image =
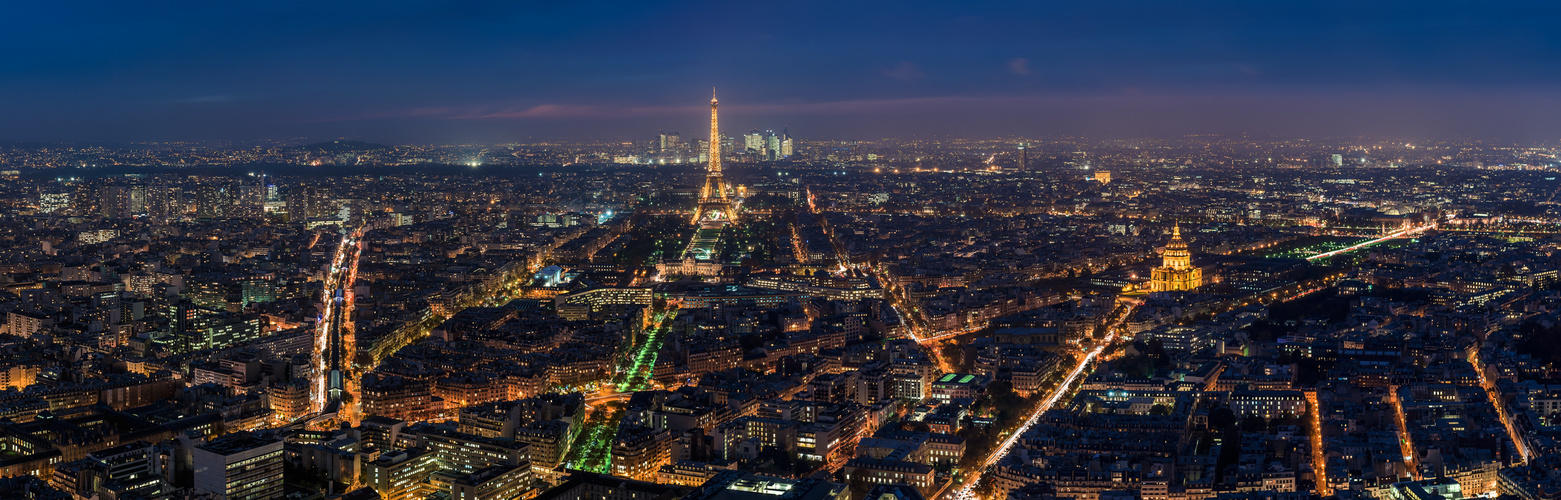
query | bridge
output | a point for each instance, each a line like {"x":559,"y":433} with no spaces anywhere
{"x":1391,"y":236}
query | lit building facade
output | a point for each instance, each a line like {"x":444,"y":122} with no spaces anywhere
{"x":239,"y":466}
{"x":1176,"y":272}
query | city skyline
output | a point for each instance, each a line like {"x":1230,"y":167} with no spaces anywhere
{"x":915,"y":251}
{"x":930,"y":322}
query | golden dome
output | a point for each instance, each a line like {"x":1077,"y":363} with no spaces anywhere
{"x":1177,"y":255}
{"x":1177,"y":244}
{"x":1177,"y":273}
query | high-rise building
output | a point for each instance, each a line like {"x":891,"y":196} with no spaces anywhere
{"x":1176,"y":272}
{"x":309,"y":202}
{"x":137,"y":199}
{"x":114,"y":202}
{"x":239,"y":466}
{"x":300,"y":203}
{"x":703,"y":148}
{"x":54,"y":203}
{"x":669,"y":142}
{"x":1024,"y":157}
{"x":212,"y":201}
{"x":753,"y":143}
{"x":85,"y":199}
{"x":248,"y":202}
{"x":772,"y":146}
{"x":162,"y":203}
{"x":1338,"y":160}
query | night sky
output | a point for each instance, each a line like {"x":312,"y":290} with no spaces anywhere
{"x":487,"y":72}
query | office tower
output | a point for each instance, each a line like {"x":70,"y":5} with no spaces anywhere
{"x":669,"y":141}
{"x":239,"y":466}
{"x":1338,"y":160}
{"x":1024,"y":157}
{"x":753,"y":143}
{"x":785,"y":144}
{"x":54,"y":202}
{"x":771,"y":145}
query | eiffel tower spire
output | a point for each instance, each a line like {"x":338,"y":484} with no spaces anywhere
{"x":714,"y":206}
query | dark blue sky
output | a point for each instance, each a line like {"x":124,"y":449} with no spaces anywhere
{"x":425,"y":72}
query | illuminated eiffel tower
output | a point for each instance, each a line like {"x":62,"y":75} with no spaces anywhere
{"x":715,"y":207}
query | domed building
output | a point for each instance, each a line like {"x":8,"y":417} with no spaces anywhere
{"x":1176,"y":272}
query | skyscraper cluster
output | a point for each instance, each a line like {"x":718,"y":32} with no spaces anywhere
{"x":668,"y":141}
{"x":768,"y":145}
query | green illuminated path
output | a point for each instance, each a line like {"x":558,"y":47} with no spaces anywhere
{"x":635,"y":368}
{"x":592,"y":449}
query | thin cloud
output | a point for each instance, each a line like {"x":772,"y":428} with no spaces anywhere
{"x":1019,"y":66}
{"x":905,"y":71}
{"x":1126,"y":96}
{"x":420,"y":112}
{"x":538,"y":111}
{"x":556,"y":111}
{"x":572,"y":111}
{"x":576,"y":111}
{"x":205,"y":99}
